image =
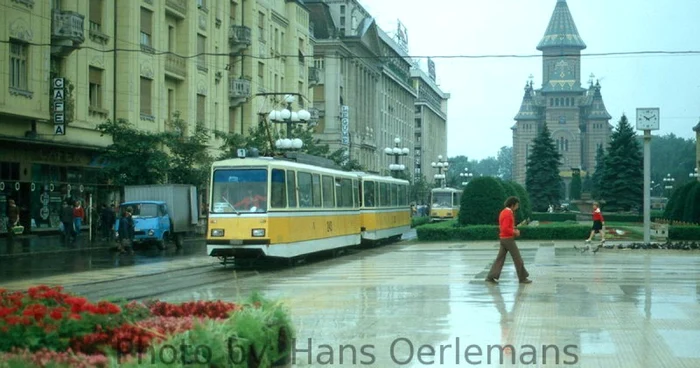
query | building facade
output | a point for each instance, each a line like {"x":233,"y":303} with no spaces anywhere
{"x":143,"y":61}
{"x":430,"y":123}
{"x":575,"y":116}
{"x":365,"y":97}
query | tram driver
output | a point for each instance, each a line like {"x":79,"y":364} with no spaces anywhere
{"x":250,"y":201}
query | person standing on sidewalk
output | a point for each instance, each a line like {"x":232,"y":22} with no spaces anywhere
{"x":125,"y":231}
{"x":67,"y":221}
{"x":507,"y":235}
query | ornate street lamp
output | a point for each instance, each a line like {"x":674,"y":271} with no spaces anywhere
{"x":397,"y":152}
{"x":694,"y":174}
{"x":466,"y":175}
{"x":441,"y":166}
{"x":290,"y":118}
{"x":669,"y":183}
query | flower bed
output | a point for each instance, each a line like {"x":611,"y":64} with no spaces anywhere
{"x":47,"y":327}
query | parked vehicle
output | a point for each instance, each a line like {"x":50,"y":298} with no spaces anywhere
{"x":162,"y":213}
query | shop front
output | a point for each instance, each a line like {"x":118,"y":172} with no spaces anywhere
{"x":40,"y":178}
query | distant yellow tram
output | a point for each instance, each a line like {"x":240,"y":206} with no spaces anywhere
{"x":444,"y":203}
{"x":271,"y":207}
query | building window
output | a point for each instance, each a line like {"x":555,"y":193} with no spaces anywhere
{"x":201,"y":109}
{"x":146,"y":91}
{"x":201,"y":50}
{"x":19,"y":53}
{"x":96,"y":15}
{"x":171,"y":38}
{"x":146,"y":29}
{"x":95,"y":88}
{"x":261,"y":26}
{"x":261,"y":74}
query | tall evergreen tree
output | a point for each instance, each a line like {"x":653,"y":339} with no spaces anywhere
{"x":598,"y":173}
{"x":542,"y":178}
{"x":575,"y":188}
{"x":622,"y":185}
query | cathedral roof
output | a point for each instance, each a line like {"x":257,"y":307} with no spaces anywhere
{"x":528,"y":108}
{"x":597,"y":108}
{"x":561,"y":31}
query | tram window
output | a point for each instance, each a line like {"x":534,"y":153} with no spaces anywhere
{"x":317,"y":190}
{"x":384,"y":194}
{"x":356,"y":191}
{"x":394,"y":195}
{"x":347,"y":191}
{"x":291,"y":189}
{"x":338,"y":192}
{"x":369,"y":193}
{"x":305,"y":190}
{"x":278,"y":189}
{"x":328,"y":192}
{"x":239,"y":190}
{"x":402,"y":195}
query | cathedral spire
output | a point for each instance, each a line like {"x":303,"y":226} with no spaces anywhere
{"x":561,"y":31}
{"x":528,"y":110}
{"x":597,"y":109}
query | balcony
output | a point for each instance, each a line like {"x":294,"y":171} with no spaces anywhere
{"x":67,"y":32}
{"x":314,"y":76}
{"x":238,"y":91}
{"x":175,"y":66}
{"x":239,"y":38}
{"x":177,"y":8}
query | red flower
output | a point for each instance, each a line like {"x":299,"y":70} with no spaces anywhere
{"x":57,"y":313}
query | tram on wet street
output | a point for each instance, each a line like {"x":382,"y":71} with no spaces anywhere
{"x":264,"y":207}
{"x":444,"y":203}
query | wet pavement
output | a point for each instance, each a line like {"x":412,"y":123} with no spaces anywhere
{"x":418,"y":304}
{"x":52,"y":258}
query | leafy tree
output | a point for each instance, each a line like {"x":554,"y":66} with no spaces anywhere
{"x":341,"y":160}
{"x":575,"y":188}
{"x":134,"y":157}
{"x":622,"y":181}
{"x":597,"y":177}
{"x":419,"y":190}
{"x":505,"y":163}
{"x":190,"y":158}
{"x":510,"y":190}
{"x":671,"y":155}
{"x":525,"y":211}
{"x":482,"y":201}
{"x":680,"y":200}
{"x":691,"y":212}
{"x":542,"y":178}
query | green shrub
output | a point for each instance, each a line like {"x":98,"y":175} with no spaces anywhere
{"x":525,"y":205}
{"x":418,"y":221}
{"x":450,"y":230}
{"x":691,"y":212}
{"x":683,"y":233}
{"x":675,"y":209}
{"x":482,"y":201}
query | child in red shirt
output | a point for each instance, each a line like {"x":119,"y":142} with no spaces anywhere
{"x":598,"y":224}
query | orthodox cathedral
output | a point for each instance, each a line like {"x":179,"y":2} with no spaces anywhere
{"x":575,"y":116}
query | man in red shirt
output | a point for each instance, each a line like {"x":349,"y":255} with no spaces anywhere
{"x":507,"y":235}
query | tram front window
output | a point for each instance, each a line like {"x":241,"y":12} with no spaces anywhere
{"x":239,"y":190}
{"x":442,"y":200}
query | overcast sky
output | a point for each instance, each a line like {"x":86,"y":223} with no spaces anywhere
{"x":486,"y":93}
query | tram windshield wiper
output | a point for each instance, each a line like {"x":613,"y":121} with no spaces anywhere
{"x":229,"y":203}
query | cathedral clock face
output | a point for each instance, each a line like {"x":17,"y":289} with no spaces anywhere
{"x":563,"y":70}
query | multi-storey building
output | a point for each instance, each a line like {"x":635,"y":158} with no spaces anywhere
{"x":575,"y":116}
{"x":365,"y":97}
{"x":430,"y":123}
{"x":142,"y":61}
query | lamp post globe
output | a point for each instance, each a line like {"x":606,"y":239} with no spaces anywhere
{"x":396,"y":152}
{"x":289,"y":118}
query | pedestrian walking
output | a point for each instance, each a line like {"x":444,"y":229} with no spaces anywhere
{"x":78,"y":218}
{"x":598,"y":225}
{"x":67,"y":222}
{"x":125,"y":232}
{"x":507,"y":235}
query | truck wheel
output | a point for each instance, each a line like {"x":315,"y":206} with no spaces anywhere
{"x":179,"y":241}
{"x":161,"y":244}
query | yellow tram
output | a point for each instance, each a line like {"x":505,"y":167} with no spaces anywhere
{"x":444,"y":203}
{"x":270,"y":207}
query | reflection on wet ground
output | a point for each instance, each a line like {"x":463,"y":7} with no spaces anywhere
{"x":420,"y":305}
{"x":32,"y":266}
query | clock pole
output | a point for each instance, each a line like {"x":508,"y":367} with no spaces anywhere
{"x":647,"y":186}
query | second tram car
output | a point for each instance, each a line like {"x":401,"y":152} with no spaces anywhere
{"x":268,"y":207}
{"x":444,"y":203}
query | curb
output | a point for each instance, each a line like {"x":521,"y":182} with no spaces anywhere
{"x":138,"y":276}
{"x":24,"y":254}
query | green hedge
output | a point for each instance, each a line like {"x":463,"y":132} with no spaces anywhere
{"x":570,"y":216}
{"x":418,"y":221}
{"x":553,"y":217}
{"x":449,"y":230}
{"x":684,"y":233}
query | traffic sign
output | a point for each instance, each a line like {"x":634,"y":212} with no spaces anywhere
{"x":59,"y":129}
{"x":58,"y":94}
{"x":58,"y":83}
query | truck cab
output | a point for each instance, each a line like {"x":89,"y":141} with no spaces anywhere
{"x":152,"y":222}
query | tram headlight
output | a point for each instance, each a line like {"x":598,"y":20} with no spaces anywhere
{"x":258,"y":233}
{"x":217,"y":232}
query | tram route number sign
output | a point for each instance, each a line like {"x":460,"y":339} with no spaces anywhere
{"x":329,"y":226}
{"x":58,"y":93}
